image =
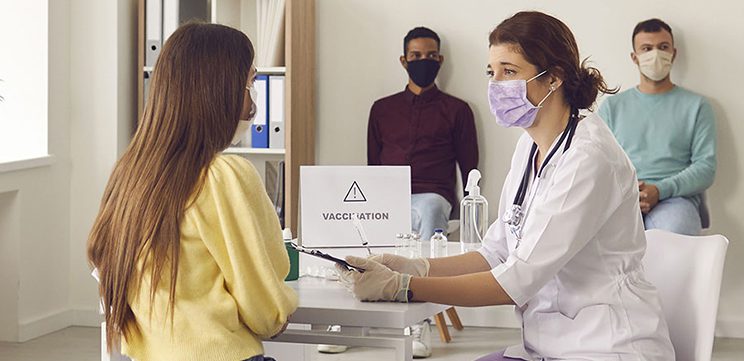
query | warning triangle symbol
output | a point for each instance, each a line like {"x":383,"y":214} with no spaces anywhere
{"x":355,"y":194}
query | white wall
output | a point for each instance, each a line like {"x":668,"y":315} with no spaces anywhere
{"x":24,"y":80}
{"x":36,"y":216}
{"x":249,"y":21}
{"x":46,"y":212}
{"x":9,"y":257}
{"x":359,"y":43}
{"x":102,"y":111}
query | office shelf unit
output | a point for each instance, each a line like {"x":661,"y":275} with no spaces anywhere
{"x":299,"y":71}
{"x":277,"y":70}
{"x":248,"y":150}
{"x":273,"y":70}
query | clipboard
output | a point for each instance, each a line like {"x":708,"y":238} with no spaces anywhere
{"x":319,"y":254}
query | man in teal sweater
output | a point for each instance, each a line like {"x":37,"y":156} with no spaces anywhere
{"x":669,"y":134}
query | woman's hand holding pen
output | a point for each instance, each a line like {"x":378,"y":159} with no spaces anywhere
{"x":377,"y":283}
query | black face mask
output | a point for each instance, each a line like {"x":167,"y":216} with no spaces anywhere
{"x":423,"y":72}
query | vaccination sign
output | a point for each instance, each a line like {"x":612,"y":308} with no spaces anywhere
{"x":331,"y":196}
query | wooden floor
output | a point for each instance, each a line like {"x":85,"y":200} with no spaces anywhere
{"x":83,"y":344}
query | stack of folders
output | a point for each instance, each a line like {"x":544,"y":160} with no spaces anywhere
{"x":275,"y":187}
{"x":267,"y":130}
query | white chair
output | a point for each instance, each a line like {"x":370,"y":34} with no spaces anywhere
{"x":115,"y":354}
{"x":687,"y":271}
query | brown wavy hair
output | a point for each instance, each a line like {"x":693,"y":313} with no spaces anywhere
{"x":192,"y":111}
{"x":548,"y":43}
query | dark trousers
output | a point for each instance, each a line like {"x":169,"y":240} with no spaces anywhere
{"x":260,"y":358}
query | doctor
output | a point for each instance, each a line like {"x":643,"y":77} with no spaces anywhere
{"x":567,"y":247}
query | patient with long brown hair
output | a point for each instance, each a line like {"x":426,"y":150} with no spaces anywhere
{"x":186,"y":242}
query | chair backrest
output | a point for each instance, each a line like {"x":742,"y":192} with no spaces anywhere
{"x":687,"y":271}
{"x":115,"y":354}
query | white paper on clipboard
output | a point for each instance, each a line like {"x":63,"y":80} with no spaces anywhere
{"x":380,"y":196}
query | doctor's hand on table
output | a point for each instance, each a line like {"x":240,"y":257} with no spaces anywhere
{"x":377,"y":283}
{"x":417,"y":267}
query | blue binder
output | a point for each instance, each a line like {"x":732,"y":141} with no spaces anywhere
{"x":260,"y":128}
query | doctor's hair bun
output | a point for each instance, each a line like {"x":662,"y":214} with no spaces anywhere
{"x":548,"y":44}
{"x":581,"y":91}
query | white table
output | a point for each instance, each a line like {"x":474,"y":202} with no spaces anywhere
{"x":324,"y":302}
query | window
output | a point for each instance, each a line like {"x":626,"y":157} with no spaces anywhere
{"x":24,"y":70}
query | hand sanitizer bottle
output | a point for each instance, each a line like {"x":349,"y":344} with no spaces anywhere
{"x":473,"y":215}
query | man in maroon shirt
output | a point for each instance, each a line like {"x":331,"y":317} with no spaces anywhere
{"x":427,"y":129}
{"x":431,"y":131}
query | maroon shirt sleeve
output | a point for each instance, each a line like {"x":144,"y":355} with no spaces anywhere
{"x":374,"y":145}
{"x":466,"y":143}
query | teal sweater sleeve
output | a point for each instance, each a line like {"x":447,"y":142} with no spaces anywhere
{"x":699,"y":175}
{"x":605,"y":112}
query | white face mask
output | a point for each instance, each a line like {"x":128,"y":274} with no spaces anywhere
{"x":655,"y":64}
{"x":245,"y":125}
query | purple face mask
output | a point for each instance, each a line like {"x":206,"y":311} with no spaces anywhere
{"x":509,"y":103}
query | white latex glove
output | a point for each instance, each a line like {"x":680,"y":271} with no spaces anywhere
{"x":418,"y":267}
{"x":376,"y":283}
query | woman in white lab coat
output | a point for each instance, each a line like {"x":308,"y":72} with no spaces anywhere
{"x":568,"y":245}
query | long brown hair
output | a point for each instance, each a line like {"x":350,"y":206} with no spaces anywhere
{"x":195,"y":101}
{"x":549,"y":44}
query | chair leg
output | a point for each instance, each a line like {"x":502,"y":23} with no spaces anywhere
{"x":452,"y":314}
{"x":442,"y":326}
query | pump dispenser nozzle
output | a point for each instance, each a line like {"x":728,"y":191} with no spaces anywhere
{"x":472,"y":186}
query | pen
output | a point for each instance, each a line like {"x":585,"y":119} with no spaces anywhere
{"x":360,"y":231}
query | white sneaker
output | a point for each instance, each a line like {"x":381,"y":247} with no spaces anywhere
{"x":333,"y":348}
{"x":421,"y":339}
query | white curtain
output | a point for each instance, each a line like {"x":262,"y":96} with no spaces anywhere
{"x":270,"y":19}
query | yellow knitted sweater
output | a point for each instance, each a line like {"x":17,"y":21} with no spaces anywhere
{"x":230,"y":291}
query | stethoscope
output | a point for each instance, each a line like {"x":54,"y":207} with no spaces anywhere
{"x":515,"y":216}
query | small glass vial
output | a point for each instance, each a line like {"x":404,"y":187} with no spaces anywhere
{"x":438,"y":244}
{"x":399,"y":245}
{"x":407,"y":245}
{"x":417,"y":245}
